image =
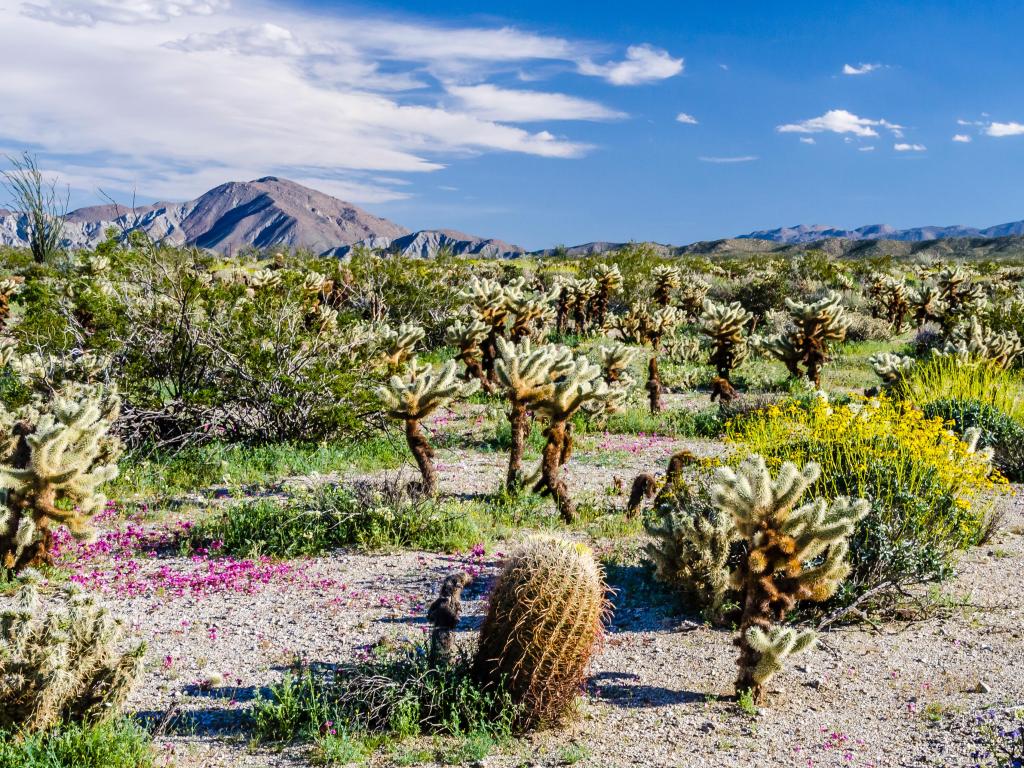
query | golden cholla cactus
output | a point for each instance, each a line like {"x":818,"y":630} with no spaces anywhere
{"x":9,"y":287}
{"x":792,"y":554}
{"x":416,"y":394}
{"x":959,"y":296}
{"x":544,"y":619}
{"x":889,"y":367}
{"x":725,"y":325}
{"x":667,"y":278}
{"x":527,"y":375}
{"x":468,"y":337}
{"x":530,"y":314}
{"x":692,"y":294}
{"x":65,"y":665}
{"x":488,"y":303}
{"x":927,"y":304}
{"x":815,"y":325}
{"x":58,"y":460}
{"x":975,"y":341}
{"x":579,"y":384}
{"x":264,"y":278}
{"x":631,"y":327}
{"x":609,"y":281}
{"x":615,"y":361}
{"x":399,"y":344}
{"x":893,"y":301}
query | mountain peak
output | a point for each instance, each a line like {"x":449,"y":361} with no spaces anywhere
{"x":806,"y":233}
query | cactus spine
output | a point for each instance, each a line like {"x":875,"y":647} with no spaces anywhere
{"x":62,"y":666}
{"x":815,"y":325}
{"x":724,"y":325}
{"x":791,"y":555}
{"x":544,"y":619}
{"x":54,"y":466}
{"x":414,"y":396}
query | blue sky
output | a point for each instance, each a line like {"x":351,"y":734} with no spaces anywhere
{"x":539,"y":122}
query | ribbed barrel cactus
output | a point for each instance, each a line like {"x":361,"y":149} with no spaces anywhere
{"x":414,"y":396}
{"x":816,"y":324}
{"x":68,"y":664}
{"x":725,"y":325}
{"x":578,"y":384}
{"x":544,"y":620}
{"x":527,"y":375}
{"x":53,"y":466}
{"x":792,"y":554}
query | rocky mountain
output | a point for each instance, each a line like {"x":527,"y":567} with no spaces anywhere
{"x":806,"y":233}
{"x":429,"y":242}
{"x":262,"y":213}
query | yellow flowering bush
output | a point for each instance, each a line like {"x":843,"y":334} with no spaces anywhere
{"x":930,"y":494}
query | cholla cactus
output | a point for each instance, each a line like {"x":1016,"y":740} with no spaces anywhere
{"x":65,"y":665}
{"x":488,"y":301}
{"x":631,"y":326}
{"x":468,"y":337}
{"x":724,"y":325}
{"x":958,"y":295}
{"x":414,"y":396}
{"x":609,"y":281}
{"x":530,"y":313}
{"x":690,"y":547}
{"x":666,"y":278}
{"x":973,"y":341}
{"x":889,"y":367}
{"x":54,"y":464}
{"x":9,"y":287}
{"x":263,"y":278}
{"x":682,"y":349}
{"x":527,"y":376}
{"x":544,"y":620}
{"x":579,"y":383}
{"x":398,"y":344}
{"x":891,"y":300}
{"x":815,"y":325}
{"x":615,"y":361}
{"x":927,"y":304}
{"x":692,"y":295}
{"x":658,"y":325}
{"x":782,"y":546}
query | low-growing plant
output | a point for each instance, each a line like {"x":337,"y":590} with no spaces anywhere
{"x":115,"y":744}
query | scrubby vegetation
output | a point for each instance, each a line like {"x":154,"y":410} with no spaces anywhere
{"x":257,"y":398}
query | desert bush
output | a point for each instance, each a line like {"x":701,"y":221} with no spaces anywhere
{"x":948,"y":378}
{"x":929,"y":494}
{"x":544,"y":619}
{"x":62,"y":664}
{"x":998,"y":431}
{"x":866,"y":328}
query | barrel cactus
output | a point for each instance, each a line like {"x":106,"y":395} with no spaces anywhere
{"x":544,"y":620}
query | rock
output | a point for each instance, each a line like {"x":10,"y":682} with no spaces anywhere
{"x":982,"y":687}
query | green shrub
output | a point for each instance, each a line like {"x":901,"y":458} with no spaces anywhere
{"x":998,"y":431}
{"x":119,"y":744}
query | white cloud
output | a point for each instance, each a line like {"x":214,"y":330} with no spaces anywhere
{"x":197,"y":93}
{"x":736,"y":159}
{"x":1004,"y":129}
{"x":806,"y":140}
{"x":909,"y":147}
{"x":841,"y":121}
{"x":962,"y":138}
{"x":493,"y":103}
{"x":88,"y":13}
{"x":643,"y":64}
{"x":860,"y":69}
{"x":866,"y":149}
{"x":686,"y":119}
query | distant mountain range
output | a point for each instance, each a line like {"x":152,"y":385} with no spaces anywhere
{"x":273,"y":212}
{"x":806,"y":233}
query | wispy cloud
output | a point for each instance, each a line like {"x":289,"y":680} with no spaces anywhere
{"x":686,"y":119}
{"x":841,"y":121}
{"x":736,"y":159}
{"x":962,"y":138}
{"x":869,"y":148}
{"x":807,"y":140}
{"x":516,"y":106}
{"x":860,"y":69}
{"x":902,"y":147}
{"x":1000,"y":130}
{"x":643,"y":64}
{"x":216,"y":91}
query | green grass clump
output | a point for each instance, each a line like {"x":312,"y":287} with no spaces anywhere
{"x":235,"y":464}
{"x":118,"y":744}
{"x":948,"y":378}
{"x":329,"y":517}
{"x":359,"y":708}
